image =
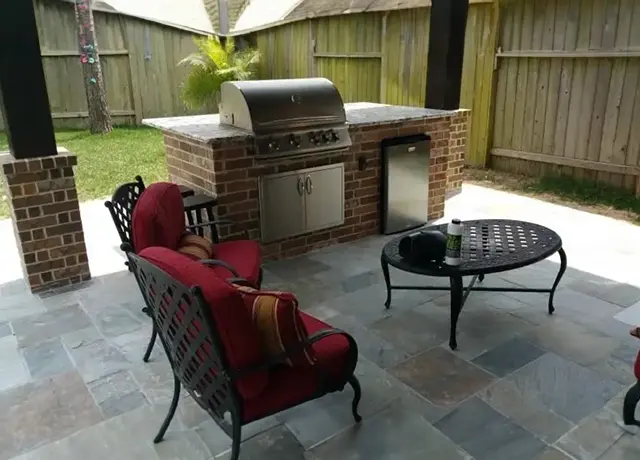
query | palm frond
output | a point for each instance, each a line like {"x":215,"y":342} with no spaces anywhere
{"x":212,"y":64}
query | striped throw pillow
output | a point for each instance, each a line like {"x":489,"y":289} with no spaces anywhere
{"x":276,"y":316}
{"x":196,"y":247}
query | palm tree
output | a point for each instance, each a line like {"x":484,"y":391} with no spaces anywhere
{"x":214,"y":63}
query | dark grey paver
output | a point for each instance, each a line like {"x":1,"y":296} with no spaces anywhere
{"x":508,"y":357}
{"x":487,"y":434}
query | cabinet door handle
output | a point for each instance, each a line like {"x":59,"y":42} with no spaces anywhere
{"x":308,"y":185}
{"x":300,"y":186}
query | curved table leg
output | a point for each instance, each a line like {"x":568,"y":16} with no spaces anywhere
{"x":563,"y":267}
{"x":387,"y":281}
{"x":456,"y":308}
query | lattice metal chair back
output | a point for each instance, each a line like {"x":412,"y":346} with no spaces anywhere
{"x":188,"y":333}
{"x":121,"y":207}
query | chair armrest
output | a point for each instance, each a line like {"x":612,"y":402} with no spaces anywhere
{"x":220,"y":263}
{"x":216,"y":222}
{"x":278,"y":359}
{"x":241,"y":282}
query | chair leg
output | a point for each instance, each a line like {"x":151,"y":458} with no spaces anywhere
{"x":236,"y":439}
{"x":172,"y":410}
{"x":353,"y":381}
{"x":629,"y":407}
{"x":152,"y":342}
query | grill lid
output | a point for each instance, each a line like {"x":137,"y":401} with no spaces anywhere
{"x":287,"y":117}
{"x":264,"y":106}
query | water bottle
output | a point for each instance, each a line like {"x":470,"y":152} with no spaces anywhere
{"x":453,"y":255}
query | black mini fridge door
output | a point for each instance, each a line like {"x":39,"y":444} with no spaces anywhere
{"x":405,"y":183}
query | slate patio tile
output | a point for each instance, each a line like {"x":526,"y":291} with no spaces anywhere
{"x":127,"y":436}
{"x":370,"y":345}
{"x":98,"y":358}
{"x":13,"y":369}
{"x":5,"y":330}
{"x":442,"y":377}
{"x":626,"y":447}
{"x":116,"y":393}
{"x":47,"y":359}
{"x":320,"y":419}
{"x":591,"y":438}
{"x":551,"y":453}
{"x":570,"y":390}
{"x":218,"y":442}
{"x":41,"y":412}
{"x":572,"y":341}
{"x":296,"y":268}
{"x":155,"y":380}
{"x":508,"y":357}
{"x":413,"y":331}
{"x":531,"y":414}
{"x":115,"y":321}
{"x":395,"y":433}
{"x":14,"y":307}
{"x":487,"y":434}
{"x":34,"y":329}
{"x":621,"y":294}
{"x":275,"y":444}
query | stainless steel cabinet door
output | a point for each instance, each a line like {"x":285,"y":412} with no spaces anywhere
{"x":324,"y":189}
{"x":282,"y":206}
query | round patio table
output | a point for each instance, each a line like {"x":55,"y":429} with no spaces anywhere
{"x":488,"y":246}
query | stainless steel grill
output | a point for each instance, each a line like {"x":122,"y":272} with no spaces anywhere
{"x":287,"y":117}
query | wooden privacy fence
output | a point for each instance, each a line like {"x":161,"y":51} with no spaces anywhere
{"x":382,"y":57}
{"x":139,"y":62}
{"x":568,"y":90}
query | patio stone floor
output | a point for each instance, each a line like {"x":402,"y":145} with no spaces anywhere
{"x":523,"y":385}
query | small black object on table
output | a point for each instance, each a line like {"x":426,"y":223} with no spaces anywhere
{"x":488,"y":246}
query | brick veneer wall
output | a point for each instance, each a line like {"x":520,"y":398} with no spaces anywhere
{"x":229,"y":169}
{"x":458,"y":141}
{"x":46,"y":217}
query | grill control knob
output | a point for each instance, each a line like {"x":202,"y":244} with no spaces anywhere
{"x":326,"y":137}
{"x":313,"y":138}
{"x":294,"y":140}
{"x":334,"y":136}
{"x":273,"y":145}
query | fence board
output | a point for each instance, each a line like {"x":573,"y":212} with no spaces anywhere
{"x":579,"y":61}
{"x":139,"y":84}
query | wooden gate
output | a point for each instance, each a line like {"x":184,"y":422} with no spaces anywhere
{"x":568,"y":89}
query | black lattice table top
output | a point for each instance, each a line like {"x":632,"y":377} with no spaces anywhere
{"x":488,"y":246}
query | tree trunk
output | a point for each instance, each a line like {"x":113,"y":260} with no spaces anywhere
{"x":99,"y":116}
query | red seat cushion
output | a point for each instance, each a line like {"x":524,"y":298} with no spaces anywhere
{"x":278,"y":320}
{"x":239,"y":337}
{"x":289,"y":386}
{"x":636,"y":369}
{"x":243,"y":255}
{"x":158,"y":217}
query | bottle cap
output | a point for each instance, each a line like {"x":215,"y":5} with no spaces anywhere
{"x":456,"y":221}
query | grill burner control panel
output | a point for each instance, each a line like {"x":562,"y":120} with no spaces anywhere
{"x":306,"y":141}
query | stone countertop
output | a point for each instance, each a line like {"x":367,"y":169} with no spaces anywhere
{"x":207,"y":128}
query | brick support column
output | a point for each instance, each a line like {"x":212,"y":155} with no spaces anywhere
{"x":46,"y":219}
{"x":458,"y":144}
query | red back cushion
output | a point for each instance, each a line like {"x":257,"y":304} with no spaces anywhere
{"x":239,"y":337}
{"x":636,"y":368}
{"x":277,"y":318}
{"x":158,"y":217}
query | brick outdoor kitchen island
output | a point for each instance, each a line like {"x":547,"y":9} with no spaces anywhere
{"x":219,"y":159}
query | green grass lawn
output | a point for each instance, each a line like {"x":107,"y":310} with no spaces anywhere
{"x":104,"y":161}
